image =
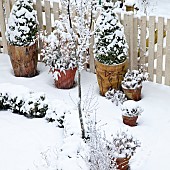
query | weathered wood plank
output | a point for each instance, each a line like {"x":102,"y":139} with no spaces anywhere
{"x":56,"y":10}
{"x":3,"y":29}
{"x":151,"y":47}
{"x":91,"y":62}
{"x":160,"y":50}
{"x":39,"y":13}
{"x":142,"y":40}
{"x":135,"y":44}
{"x":167,"y":61}
{"x":48,"y":16}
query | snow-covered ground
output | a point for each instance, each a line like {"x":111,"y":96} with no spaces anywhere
{"x":33,"y":143}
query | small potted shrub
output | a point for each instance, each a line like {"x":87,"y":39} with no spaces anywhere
{"x":132,"y":83}
{"x":21,"y":34}
{"x":130,"y":112}
{"x":116,"y":96}
{"x":124,"y":147}
{"x":111,"y":50}
{"x":59,"y":54}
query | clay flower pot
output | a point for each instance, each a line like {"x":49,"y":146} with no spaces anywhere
{"x":131,"y":121}
{"x":122,"y":163}
{"x":133,"y":94}
{"x":66,"y":80}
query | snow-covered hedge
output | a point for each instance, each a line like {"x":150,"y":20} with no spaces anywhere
{"x":22,"y":26}
{"x":30,"y":105}
{"x":111,"y":46}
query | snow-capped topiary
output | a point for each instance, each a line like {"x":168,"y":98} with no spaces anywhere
{"x":116,"y":96}
{"x":59,"y":50}
{"x":111,"y":46}
{"x":131,"y":108}
{"x":133,"y":79}
{"x":22,"y":26}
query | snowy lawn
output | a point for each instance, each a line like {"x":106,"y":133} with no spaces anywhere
{"x":25,"y":143}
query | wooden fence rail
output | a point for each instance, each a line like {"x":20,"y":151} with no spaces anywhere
{"x":148,"y":38}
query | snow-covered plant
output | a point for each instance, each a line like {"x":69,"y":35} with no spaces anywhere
{"x":4,"y":101}
{"x":116,"y":96}
{"x":52,"y":116}
{"x":16,"y":103}
{"x":100,"y":155}
{"x":133,"y":79}
{"x":34,"y":105}
{"x":124,"y":145}
{"x":131,"y":108}
{"x":22,"y":26}
{"x":59,"y":50}
{"x":111,"y":46}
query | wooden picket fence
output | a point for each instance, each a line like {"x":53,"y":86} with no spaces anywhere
{"x":148,"y":38}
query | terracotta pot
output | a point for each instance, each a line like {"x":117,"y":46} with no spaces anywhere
{"x":133,"y":94}
{"x":66,"y":81}
{"x":122,"y":163}
{"x":131,"y":121}
{"x":24,"y":60}
{"x":110,"y":76}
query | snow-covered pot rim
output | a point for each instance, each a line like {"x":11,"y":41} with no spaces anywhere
{"x":123,"y":63}
{"x":24,"y":46}
{"x":132,"y":88}
{"x":130,"y":108}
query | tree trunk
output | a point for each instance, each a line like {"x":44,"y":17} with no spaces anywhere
{"x":79,"y":105}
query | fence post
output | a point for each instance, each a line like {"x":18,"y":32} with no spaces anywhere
{"x":3,"y":28}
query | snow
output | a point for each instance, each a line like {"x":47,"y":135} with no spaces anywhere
{"x":34,"y":143}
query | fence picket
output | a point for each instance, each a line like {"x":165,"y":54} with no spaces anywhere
{"x":143,"y":41}
{"x":39,"y":13}
{"x":167,"y":61}
{"x":151,"y":47}
{"x":56,"y":10}
{"x":7,"y":7}
{"x":3,"y":28}
{"x":91,"y":62}
{"x":127,"y":33}
{"x":48,"y":16}
{"x":135,"y":44}
{"x":159,"y":50}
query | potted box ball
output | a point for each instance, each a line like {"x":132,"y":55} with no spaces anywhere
{"x":130,"y":112}
{"x":125,"y":146}
{"x":59,"y":54}
{"x":21,"y":34}
{"x":111,"y":50}
{"x":132,"y":83}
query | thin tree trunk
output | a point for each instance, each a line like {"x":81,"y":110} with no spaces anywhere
{"x":79,"y":105}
